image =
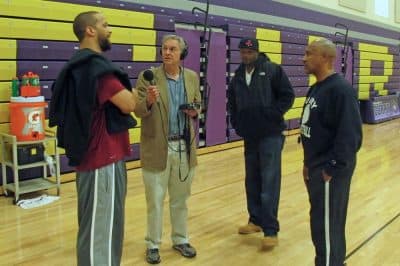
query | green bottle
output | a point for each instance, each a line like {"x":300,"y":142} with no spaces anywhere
{"x":15,"y":87}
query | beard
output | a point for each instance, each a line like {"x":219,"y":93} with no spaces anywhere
{"x":105,"y":44}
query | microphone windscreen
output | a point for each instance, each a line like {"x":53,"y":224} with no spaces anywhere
{"x":148,"y":75}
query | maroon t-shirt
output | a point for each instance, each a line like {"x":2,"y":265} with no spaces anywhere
{"x":105,"y":148}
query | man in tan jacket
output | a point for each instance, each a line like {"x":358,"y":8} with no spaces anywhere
{"x":168,"y":144}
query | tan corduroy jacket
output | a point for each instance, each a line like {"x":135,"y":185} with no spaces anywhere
{"x":155,"y":122}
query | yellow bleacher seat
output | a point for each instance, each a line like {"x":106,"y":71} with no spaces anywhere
{"x":276,"y":58}
{"x":299,"y":102}
{"x":4,"y":113}
{"x":8,"y":70}
{"x":373,"y":48}
{"x":268,"y":34}
{"x":270,"y":47}
{"x":47,"y":10}
{"x":5,"y":91}
{"x":62,"y":31}
{"x":373,"y":79}
{"x":8,"y":49}
{"x":144,"y":53}
{"x":293,"y":113}
{"x":134,"y":135}
{"x":375,"y":56}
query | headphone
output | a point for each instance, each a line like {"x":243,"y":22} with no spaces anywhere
{"x":185,"y":50}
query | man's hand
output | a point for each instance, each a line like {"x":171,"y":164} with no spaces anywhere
{"x":152,"y":95}
{"x":325,"y":176}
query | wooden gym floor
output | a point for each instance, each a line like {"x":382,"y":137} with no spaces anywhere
{"x":47,"y":235}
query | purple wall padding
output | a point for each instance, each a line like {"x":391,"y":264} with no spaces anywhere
{"x":216,"y":112}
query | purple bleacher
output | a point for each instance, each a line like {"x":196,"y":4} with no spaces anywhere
{"x":52,"y":50}
{"x":294,"y":123}
{"x":372,"y":72}
{"x":216,"y":111}
{"x":232,"y":136}
{"x":293,"y":60}
{"x":292,"y":37}
{"x":394,"y":79}
{"x":164,"y":22}
{"x":292,"y":48}
{"x":392,"y":85}
{"x":135,"y":153}
{"x":299,"y":81}
{"x":46,"y":89}
{"x":394,"y":49}
{"x":300,"y":91}
{"x":294,"y":70}
{"x":47,"y":70}
{"x":377,"y":64}
{"x":232,"y":68}
{"x":64,"y":167}
{"x":240,"y":31}
{"x":133,"y":69}
{"x":287,"y":59}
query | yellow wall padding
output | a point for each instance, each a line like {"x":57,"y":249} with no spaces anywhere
{"x":4,"y":113}
{"x":48,"y":10}
{"x":267,"y":34}
{"x":365,"y":71}
{"x":5,"y":128}
{"x":383,"y":92}
{"x":373,"y":79}
{"x":375,"y":56}
{"x":61,"y":31}
{"x":293,"y":113}
{"x":144,"y":53}
{"x":8,"y":70}
{"x":312,"y":38}
{"x":364,"y":87}
{"x":363,"y":95}
{"x":8,"y":49}
{"x":365,"y":63}
{"x":139,"y":121}
{"x":5,"y":91}
{"x":299,"y":102}
{"x":378,"y":86}
{"x":270,"y":47}
{"x":276,"y":58}
{"x":373,"y":48}
{"x":134,"y":135}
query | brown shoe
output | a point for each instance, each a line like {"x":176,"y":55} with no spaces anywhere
{"x":269,"y":242}
{"x":249,"y":228}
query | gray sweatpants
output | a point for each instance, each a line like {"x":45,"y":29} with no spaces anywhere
{"x":101,"y":206}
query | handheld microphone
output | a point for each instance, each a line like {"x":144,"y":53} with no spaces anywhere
{"x":148,"y":75}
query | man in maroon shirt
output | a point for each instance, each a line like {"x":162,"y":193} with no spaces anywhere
{"x":93,"y":125}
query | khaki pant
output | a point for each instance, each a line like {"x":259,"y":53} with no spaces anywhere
{"x":156,"y":185}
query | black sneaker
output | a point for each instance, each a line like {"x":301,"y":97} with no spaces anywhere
{"x":152,"y":256}
{"x":186,"y":250}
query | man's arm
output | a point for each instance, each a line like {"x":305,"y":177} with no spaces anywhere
{"x":348,"y":135}
{"x":125,"y":100}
